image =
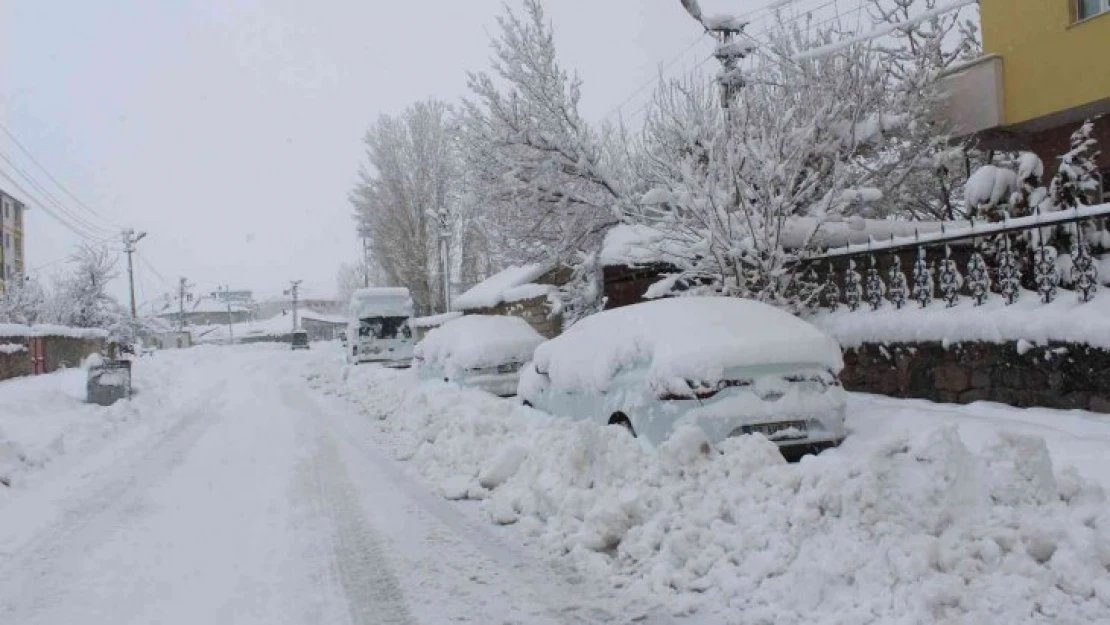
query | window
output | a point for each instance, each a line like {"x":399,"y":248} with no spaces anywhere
{"x":1105,"y":175}
{"x":7,"y":240}
{"x":1091,"y":8}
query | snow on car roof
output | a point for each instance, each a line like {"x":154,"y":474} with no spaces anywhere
{"x":696,"y":338}
{"x":478,"y":341}
{"x":510,"y":285}
{"x":389,"y":301}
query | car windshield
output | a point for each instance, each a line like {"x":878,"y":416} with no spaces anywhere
{"x":384,"y":328}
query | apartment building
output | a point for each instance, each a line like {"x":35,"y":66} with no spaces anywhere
{"x":11,"y":238}
{"x":1042,"y":74}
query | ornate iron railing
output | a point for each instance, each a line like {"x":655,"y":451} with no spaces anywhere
{"x":977,"y":261}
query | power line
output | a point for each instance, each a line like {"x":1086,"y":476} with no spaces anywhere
{"x":33,"y":199}
{"x":81,"y":221}
{"x":31,"y":156}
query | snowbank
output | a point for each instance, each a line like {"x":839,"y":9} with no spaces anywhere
{"x":1065,"y":319}
{"x":514,"y":284}
{"x":689,"y":338}
{"x":476,"y":341}
{"x":919,"y":529}
{"x":11,"y":330}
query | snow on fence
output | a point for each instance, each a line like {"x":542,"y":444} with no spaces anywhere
{"x":992,"y":258}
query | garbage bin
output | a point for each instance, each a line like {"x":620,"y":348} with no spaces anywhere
{"x":109,"y":382}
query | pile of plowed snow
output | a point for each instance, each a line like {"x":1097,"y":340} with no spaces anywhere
{"x":918,"y":530}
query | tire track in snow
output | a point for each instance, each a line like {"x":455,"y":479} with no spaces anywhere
{"x":566,"y":595}
{"x":100,"y":511}
{"x":374,"y":596}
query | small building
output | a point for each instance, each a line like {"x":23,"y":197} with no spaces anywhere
{"x":321,"y":327}
{"x":171,"y":339}
{"x":1041,"y":75}
{"x":519,"y":291}
{"x":208,"y":311}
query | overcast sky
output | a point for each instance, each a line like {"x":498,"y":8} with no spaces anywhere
{"x":230,"y":130}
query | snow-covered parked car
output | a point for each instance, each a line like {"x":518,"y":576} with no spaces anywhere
{"x":483,"y":351}
{"x":730,"y":366}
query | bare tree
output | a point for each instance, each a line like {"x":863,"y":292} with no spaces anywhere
{"x":81,"y":296}
{"x":22,"y":301}
{"x":411,"y":178}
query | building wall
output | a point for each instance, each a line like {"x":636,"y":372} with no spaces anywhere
{"x":1050,"y":62}
{"x":11,"y":238}
{"x":1051,"y":144}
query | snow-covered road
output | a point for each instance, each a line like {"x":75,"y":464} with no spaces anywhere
{"x":248,"y":498}
{"x":258,"y":485}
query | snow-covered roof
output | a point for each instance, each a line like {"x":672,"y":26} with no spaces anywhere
{"x":639,"y":244}
{"x":210,"y":305}
{"x":692,"y":338}
{"x":317,"y":316}
{"x":479,"y":341}
{"x":514,"y":284}
{"x":433,"y":321}
{"x":14,"y":330}
{"x":381,"y":301}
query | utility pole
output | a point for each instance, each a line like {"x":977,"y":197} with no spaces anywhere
{"x":364,"y":234}
{"x":445,"y":256}
{"x":130,"y":238}
{"x":182,"y":293}
{"x":230,"y":323}
{"x":294,"y":287}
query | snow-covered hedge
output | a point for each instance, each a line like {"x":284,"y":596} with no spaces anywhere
{"x":11,"y":330}
{"x":918,"y":530}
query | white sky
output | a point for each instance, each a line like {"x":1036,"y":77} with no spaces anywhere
{"x":230,"y":130}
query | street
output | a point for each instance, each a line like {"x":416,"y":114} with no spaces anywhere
{"x":254,"y":484}
{"x":258,"y":501}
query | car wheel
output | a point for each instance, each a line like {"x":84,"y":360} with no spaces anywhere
{"x":621,"y":419}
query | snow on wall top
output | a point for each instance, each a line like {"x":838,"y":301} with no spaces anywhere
{"x":434,"y":321}
{"x":693,"y":338}
{"x":1065,"y":319}
{"x":638,"y":245}
{"x":387,"y":301}
{"x":479,"y":341}
{"x":514,"y":284}
{"x":13,"y":330}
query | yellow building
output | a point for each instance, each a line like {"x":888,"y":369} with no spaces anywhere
{"x":11,"y":238}
{"x":1044,"y":71}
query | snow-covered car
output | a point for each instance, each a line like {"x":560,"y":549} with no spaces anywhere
{"x":730,"y":366}
{"x":483,"y":351}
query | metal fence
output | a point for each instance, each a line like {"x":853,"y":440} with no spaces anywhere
{"x":976,"y":261}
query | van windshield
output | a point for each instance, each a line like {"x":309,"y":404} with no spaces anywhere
{"x":384,"y":328}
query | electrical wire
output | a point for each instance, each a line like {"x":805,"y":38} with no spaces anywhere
{"x":33,"y":200}
{"x":62,"y":210}
{"x":23,"y":148}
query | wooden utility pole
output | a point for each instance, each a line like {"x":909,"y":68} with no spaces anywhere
{"x":182,"y":293}
{"x":230,"y":323}
{"x":130,"y":238}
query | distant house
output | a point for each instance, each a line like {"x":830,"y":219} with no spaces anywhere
{"x":273,"y":307}
{"x":1042,"y":73}
{"x":321,"y":327}
{"x":208,"y":311}
{"x":519,"y":291}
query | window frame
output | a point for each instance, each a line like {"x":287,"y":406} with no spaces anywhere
{"x":1104,"y":7}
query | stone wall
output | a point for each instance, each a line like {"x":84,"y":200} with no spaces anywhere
{"x":1058,"y":375}
{"x":63,"y":352}
{"x":17,"y":364}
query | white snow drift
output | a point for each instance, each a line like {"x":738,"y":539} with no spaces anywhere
{"x":917,"y":529}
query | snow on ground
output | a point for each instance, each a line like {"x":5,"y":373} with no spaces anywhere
{"x":235,"y":494}
{"x":917,"y":519}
